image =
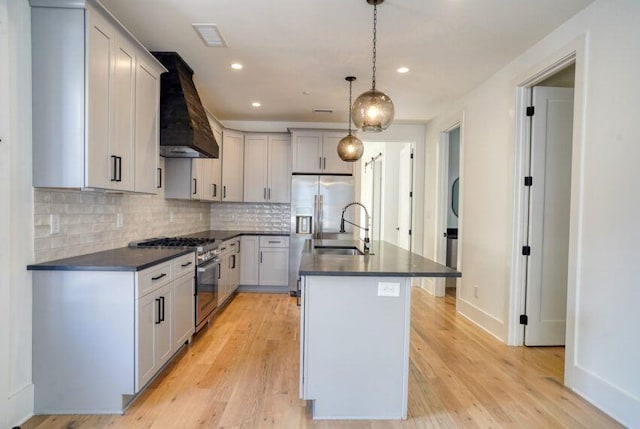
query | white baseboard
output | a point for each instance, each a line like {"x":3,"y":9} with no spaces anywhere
{"x":20,"y":405}
{"x":485,"y":321}
{"x":429,"y":285}
{"x":617,"y":403}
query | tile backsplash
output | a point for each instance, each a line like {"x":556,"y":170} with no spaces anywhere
{"x":250,"y":216}
{"x":88,"y":220}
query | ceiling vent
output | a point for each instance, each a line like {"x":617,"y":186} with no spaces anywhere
{"x":322,"y":110}
{"x":210,"y":35}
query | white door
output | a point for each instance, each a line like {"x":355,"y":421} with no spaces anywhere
{"x":164,"y":337}
{"x":274,"y":266}
{"x":183,"y":315}
{"x":232,"y":166}
{"x":307,"y":152}
{"x":147,"y":318}
{"x":122,"y":145}
{"x":551,"y":136}
{"x":331,"y":162}
{"x":146,"y":127}
{"x":279,"y":177}
{"x":405,"y":197}
{"x":249,"y":251}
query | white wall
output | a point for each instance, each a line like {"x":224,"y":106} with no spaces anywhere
{"x":603,"y":350}
{"x":16,"y":233}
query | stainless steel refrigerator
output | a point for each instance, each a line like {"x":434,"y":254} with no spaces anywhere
{"x":316,"y":206}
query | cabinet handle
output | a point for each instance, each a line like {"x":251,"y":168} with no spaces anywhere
{"x":195,"y":186}
{"x":162,"y":315}
{"x":219,"y":271}
{"x":264,"y":193}
{"x":275,"y":241}
{"x":224,"y":192}
{"x":158,"y":277}
{"x":324,"y":163}
{"x":215,"y":189}
{"x":119,"y":169}
{"x":159,"y":178}
{"x":158,"y":311}
{"x":269,"y":194}
{"x":187,"y":264}
{"x":233,"y":262}
{"x":298,"y":292}
{"x":260,"y":257}
{"x":114,"y":175}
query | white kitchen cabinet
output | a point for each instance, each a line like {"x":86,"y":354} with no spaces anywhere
{"x":266,"y":166}
{"x":100,"y":336}
{"x":315,"y":151}
{"x":249,"y":254}
{"x":147,"y":132}
{"x":232,"y":166}
{"x":160,"y":176}
{"x":191,"y":179}
{"x":93,"y":104}
{"x":265,"y":262}
{"x":183,"y":310}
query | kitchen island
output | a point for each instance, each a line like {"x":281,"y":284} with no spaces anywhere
{"x":354,"y":327}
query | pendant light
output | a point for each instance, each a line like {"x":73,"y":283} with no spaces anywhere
{"x":350,"y":148}
{"x":373,"y":110}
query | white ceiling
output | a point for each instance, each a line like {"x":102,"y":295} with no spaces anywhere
{"x":289,"y":47}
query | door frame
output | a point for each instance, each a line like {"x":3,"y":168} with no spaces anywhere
{"x":442,"y":202}
{"x":572,"y":53}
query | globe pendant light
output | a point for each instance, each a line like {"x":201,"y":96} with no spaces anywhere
{"x":373,"y":110}
{"x":350,"y":148}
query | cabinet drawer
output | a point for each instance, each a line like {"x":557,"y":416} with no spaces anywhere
{"x":183,"y":265}
{"x":152,"y":278}
{"x":274,"y":241}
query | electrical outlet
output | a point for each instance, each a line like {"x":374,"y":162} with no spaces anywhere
{"x":171,"y":217}
{"x":388,"y":289}
{"x":119,"y":220}
{"x":54,"y":221}
{"x":475,"y":291}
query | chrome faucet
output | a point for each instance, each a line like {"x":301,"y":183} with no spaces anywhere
{"x":367,"y":242}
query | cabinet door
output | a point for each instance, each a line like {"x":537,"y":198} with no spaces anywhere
{"x":164,"y":343}
{"x":198,"y":173}
{"x":256,"y":153}
{"x":331,"y":162}
{"x":210,"y":179}
{"x":147,"y":133}
{"x":183,"y":316}
{"x":249,"y":253}
{"x":279,"y":173}
{"x":146,"y":319}
{"x":124,"y":101}
{"x":100,"y":168}
{"x":307,"y":151}
{"x":216,"y":164}
{"x":274,"y":266}
{"x":160,"y":177}
{"x":232,"y":166}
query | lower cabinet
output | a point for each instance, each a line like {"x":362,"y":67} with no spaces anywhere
{"x":229,"y":269}
{"x":265,"y":261}
{"x":100,"y":336}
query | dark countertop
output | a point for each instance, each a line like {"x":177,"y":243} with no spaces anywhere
{"x":228,"y":235}
{"x":121,"y":259}
{"x":385,"y":260}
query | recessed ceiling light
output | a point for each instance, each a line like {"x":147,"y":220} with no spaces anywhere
{"x":236,"y":66}
{"x":403,"y":70}
{"x":256,"y":104}
{"x":210,"y":34}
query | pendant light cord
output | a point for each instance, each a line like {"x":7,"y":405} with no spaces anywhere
{"x":375,"y":22}
{"x":350,"y":84}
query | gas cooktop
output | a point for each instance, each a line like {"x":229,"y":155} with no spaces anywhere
{"x":174,"y":242}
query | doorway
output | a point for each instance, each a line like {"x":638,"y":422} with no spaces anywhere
{"x":545,"y":220}
{"x":387,"y":191}
{"x":449,"y":216}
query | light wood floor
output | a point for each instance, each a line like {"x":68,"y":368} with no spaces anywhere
{"x":242,"y":372}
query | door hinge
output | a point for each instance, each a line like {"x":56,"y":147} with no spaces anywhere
{"x":528,"y":181}
{"x":530,"y":110}
{"x":526,"y":250}
{"x":524,"y":319}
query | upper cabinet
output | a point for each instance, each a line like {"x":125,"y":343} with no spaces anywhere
{"x":315,"y":151}
{"x":191,"y":179}
{"x":266,"y":168}
{"x":97,"y":129}
{"x":232,"y":166}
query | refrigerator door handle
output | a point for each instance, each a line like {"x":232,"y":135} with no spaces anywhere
{"x":320,"y":216}
{"x":315,"y":216}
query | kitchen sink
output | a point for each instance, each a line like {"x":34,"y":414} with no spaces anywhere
{"x":347,"y":251}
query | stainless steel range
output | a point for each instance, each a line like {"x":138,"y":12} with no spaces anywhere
{"x":207,"y":270}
